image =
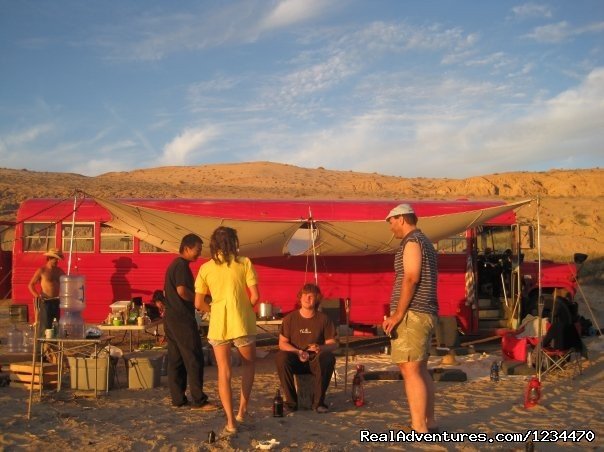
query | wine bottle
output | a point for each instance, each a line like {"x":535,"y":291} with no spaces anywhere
{"x":278,"y":405}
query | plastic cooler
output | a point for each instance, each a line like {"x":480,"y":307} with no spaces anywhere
{"x":81,"y":371}
{"x":144,"y":369}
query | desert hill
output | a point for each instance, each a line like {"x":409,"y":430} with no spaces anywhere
{"x":571,"y":200}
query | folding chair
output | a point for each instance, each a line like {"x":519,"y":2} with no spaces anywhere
{"x":554,"y":359}
{"x":566,"y":344}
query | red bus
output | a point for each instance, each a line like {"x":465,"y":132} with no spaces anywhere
{"x":119,"y":266}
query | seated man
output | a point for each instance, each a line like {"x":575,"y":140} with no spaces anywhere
{"x":563,"y":334}
{"x":306,"y":342}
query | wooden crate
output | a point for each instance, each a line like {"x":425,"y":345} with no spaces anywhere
{"x":21,"y":375}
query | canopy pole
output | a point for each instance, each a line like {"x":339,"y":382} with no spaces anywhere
{"x":312,"y":239}
{"x":75,"y":200}
{"x":539,"y":291}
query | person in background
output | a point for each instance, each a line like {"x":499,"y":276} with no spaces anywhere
{"x":48,"y":278}
{"x":159,"y":301}
{"x":413,"y":317}
{"x":306,"y":342}
{"x":185,"y":354}
{"x":233,"y":284}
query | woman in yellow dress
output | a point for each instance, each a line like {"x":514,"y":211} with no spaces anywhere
{"x":232,"y":282}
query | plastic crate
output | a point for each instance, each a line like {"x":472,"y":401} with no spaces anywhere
{"x":81,"y":371}
{"x":144,"y":369}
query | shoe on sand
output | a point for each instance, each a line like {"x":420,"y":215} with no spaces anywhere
{"x":207,"y":406}
{"x":227,"y":431}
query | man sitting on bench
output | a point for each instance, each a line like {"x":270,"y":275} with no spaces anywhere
{"x":306,"y":341}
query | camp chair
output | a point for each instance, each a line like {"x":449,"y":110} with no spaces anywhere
{"x":554,"y":359}
{"x":562,"y":344}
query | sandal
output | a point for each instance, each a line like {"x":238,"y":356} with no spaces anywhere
{"x":229,"y":431}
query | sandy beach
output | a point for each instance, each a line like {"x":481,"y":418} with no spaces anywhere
{"x":127,"y":419}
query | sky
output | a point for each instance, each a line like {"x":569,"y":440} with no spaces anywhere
{"x":413,"y":88}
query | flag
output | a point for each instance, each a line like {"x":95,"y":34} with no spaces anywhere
{"x":470,"y":283}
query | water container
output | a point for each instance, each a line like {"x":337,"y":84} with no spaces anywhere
{"x":15,"y":340}
{"x":28,"y":339}
{"x":71,"y":325}
{"x":72,"y":293}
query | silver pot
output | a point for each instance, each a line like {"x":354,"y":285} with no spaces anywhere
{"x":265,"y":311}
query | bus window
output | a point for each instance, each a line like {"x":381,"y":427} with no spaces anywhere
{"x":38,"y":236}
{"x":115,"y":241}
{"x":494,"y":239}
{"x":83,"y":237}
{"x":146,"y":247}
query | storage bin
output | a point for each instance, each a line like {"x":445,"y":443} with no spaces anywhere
{"x":81,"y":371}
{"x":144,"y":369}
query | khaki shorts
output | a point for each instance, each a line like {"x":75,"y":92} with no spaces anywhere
{"x":413,"y":337}
{"x":242,"y":341}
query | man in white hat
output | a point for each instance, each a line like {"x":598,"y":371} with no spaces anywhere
{"x":48,"y":276}
{"x":413,"y":314}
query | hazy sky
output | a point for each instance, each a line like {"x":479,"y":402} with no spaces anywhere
{"x":408,"y":88}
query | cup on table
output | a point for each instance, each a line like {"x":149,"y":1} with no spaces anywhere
{"x":49,"y":333}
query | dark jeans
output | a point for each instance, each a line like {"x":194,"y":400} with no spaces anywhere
{"x":321,"y":368}
{"x":48,"y":310}
{"x":185,"y":362}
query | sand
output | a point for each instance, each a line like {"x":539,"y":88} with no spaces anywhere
{"x":126,"y":419}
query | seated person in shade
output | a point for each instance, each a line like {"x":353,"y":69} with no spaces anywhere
{"x":563,"y":333}
{"x":158,"y":300}
{"x":306,"y":341}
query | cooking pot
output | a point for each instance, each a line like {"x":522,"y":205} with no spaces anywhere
{"x":265,"y":311}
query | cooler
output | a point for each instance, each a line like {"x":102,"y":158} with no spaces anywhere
{"x":81,"y":371}
{"x":144,"y":369}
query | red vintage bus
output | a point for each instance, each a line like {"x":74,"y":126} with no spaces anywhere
{"x":119,"y":266}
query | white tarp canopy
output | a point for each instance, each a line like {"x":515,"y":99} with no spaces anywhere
{"x":165,"y":230}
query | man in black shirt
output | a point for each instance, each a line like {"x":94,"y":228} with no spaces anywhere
{"x":185,"y":353}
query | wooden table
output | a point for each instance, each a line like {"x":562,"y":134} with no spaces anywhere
{"x":129,"y":329}
{"x":269,"y":326}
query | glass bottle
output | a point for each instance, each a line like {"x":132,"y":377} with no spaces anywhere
{"x":358,"y":393}
{"x":278,"y":405}
{"x":55,"y":327}
{"x":494,"y":371}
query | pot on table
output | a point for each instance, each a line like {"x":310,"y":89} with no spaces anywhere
{"x":265,"y":311}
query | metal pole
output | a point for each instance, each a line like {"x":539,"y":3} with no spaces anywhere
{"x":75,"y":200}
{"x":312,"y":239}
{"x":539,"y":291}
{"x":347,"y":309}
{"x":33,"y":357}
